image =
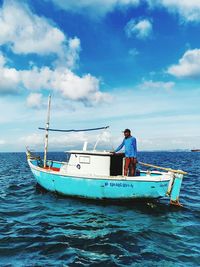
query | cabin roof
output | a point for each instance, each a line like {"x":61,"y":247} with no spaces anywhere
{"x":90,"y":152}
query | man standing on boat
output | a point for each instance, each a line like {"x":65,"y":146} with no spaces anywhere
{"x":130,"y":144}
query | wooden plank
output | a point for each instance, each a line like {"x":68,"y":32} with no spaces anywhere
{"x":162,"y":168}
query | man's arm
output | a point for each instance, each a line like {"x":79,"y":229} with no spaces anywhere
{"x":119,"y":147}
{"x":134,"y":143}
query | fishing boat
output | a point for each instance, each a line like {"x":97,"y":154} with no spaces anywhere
{"x":96,"y":174}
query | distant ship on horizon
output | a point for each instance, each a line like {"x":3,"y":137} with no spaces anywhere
{"x":195,"y":150}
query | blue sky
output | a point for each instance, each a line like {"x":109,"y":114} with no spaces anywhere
{"x":124,"y":63}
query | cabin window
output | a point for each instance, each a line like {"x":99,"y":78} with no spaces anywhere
{"x":84,"y":159}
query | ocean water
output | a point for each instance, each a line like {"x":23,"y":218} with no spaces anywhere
{"x":39,"y":228}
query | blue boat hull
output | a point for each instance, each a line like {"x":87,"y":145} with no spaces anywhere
{"x":96,"y":188}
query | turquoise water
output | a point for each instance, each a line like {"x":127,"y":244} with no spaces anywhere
{"x":38,"y":228}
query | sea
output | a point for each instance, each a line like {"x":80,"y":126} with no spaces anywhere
{"x":39,"y":228}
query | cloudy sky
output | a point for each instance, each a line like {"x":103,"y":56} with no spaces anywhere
{"x":124,"y":63}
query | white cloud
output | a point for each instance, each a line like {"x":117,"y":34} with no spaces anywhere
{"x":32,"y":140}
{"x":36,"y":78}
{"x":34,"y":100}
{"x":97,"y":7}
{"x":24,"y":32}
{"x":70,"y":53}
{"x":35,"y":141}
{"x":141,"y":29}
{"x":65,"y":141}
{"x":9,"y":78}
{"x":78,"y":88}
{"x":2,"y":142}
{"x":71,"y":86}
{"x":84,"y":88}
{"x":166,"y":143}
{"x":188,"y":66}
{"x":157,"y":85}
{"x":189,"y":10}
{"x":2,"y":60}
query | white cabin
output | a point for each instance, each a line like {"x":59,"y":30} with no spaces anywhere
{"x":94,"y":163}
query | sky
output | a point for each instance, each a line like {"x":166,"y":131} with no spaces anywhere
{"x":123,"y":63}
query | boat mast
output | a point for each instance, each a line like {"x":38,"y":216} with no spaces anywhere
{"x":47,"y":132}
